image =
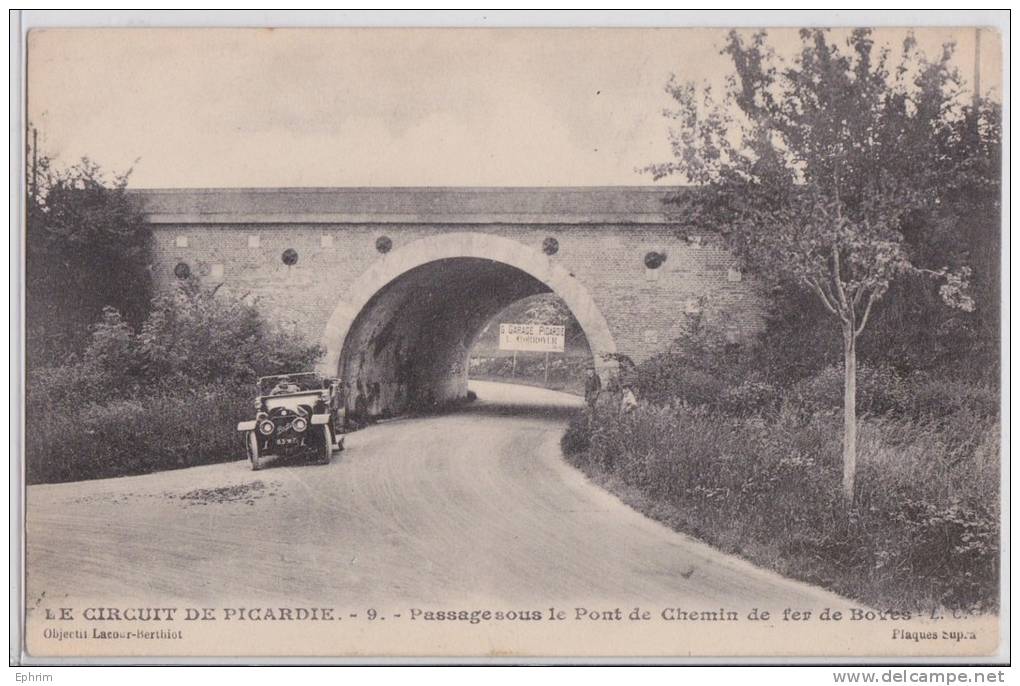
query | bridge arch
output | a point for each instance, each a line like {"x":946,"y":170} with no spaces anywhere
{"x":402,"y":332}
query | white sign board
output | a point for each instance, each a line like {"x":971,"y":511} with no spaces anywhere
{"x":540,"y":337}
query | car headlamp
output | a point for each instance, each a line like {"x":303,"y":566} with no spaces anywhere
{"x":299,"y":424}
{"x":266,"y":427}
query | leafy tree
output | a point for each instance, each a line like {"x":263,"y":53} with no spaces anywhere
{"x":194,"y":337}
{"x":196,"y":334}
{"x":86,"y":248}
{"x":547,"y":308}
{"x":544,"y":308}
{"x":828,"y":171}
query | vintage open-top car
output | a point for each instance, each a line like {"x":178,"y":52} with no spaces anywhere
{"x":295,"y":414}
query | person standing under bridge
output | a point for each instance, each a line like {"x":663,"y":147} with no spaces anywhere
{"x":592,"y":387}
{"x":628,"y":401}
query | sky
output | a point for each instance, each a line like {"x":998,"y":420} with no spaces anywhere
{"x":383,"y":107}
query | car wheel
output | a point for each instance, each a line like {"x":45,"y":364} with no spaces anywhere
{"x":253,"y":451}
{"x":326,"y":449}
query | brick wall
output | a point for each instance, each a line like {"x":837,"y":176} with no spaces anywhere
{"x":644,"y":309}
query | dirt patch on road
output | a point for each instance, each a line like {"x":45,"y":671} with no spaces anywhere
{"x":112,"y":498}
{"x":246,"y":493}
{"x":241,"y":493}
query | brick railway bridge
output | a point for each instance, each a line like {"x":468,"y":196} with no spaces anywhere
{"x":396,"y":283}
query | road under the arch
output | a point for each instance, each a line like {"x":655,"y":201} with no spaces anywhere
{"x":408,"y":348}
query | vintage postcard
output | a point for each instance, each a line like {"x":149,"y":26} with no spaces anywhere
{"x":513,"y":344}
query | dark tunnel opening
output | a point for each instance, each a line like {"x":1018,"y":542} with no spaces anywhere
{"x":409,"y":347}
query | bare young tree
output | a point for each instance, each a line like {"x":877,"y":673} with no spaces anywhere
{"x":810,"y":167}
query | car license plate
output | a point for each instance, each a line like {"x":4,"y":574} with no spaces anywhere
{"x":287,"y":441}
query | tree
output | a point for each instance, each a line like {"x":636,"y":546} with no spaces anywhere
{"x":544,"y":308}
{"x":206,"y":335}
{"x":86,"y":248}
{"x":814,"y":168}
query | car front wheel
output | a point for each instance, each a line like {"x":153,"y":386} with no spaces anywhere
{"x":253,"y":451}
{"x":326,"y":449}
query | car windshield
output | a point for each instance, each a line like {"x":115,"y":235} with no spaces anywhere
{"x":290,"y":383}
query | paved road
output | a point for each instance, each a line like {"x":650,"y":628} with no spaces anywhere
{"x":473,"y":506}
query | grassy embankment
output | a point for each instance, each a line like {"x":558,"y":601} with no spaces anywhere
{"x":925,"y":527}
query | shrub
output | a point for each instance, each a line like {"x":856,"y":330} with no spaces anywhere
{"x":203,"y":334}
{"x":720,"y":380}
{"x":933,"y":488}
{"x":168,"y":396}
{"x":751,"y":397}
{"x":575,"y":441}
{"x":167,"y":430}
{"x":69,"y":385}
{"x":699,"y":368}
{"x":879,"y":390}
{"x":930,"y":396}
{"x":702,"y":368}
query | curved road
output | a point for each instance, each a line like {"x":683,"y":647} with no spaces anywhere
{"x":468,"y":507}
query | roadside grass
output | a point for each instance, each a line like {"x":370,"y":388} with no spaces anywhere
{"x":169,"y":429}
{"x":923,"y":532}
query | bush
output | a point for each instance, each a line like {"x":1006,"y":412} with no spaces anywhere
{"x":881,"y":391}
{"x":168,"y":396}
{"x":931,"y":396}
{"x":166,"y":430}
{"x":576,"y":441}
{"x":923,"y":532}
{"x":700,"y":368}
{"x":751,"y":397}
{"x":201,"y":334}
{"x":933,"y":489}
{"x":66,"y":386}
